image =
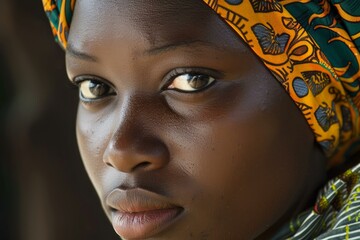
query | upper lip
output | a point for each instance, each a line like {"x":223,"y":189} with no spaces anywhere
{"x":137,"y":200}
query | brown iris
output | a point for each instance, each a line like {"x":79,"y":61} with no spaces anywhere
{"x":198,"y":81}
{"x":98,"y":89}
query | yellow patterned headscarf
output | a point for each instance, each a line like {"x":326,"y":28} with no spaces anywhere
{"x":310,"y":46}
{"x":59,"y":13}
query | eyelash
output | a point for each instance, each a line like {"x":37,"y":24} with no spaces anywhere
{"x":177,"y":72}
{"x":168,"y":79}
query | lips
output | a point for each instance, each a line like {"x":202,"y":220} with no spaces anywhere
{"x":138,"y":213}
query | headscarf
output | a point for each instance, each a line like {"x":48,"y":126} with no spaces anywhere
{"x":312,"y":49}
{"x":59,"y":13}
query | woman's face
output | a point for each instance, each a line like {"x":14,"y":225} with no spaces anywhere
{"x":182,"y":130}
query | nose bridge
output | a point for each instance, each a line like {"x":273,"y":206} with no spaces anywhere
{"x":127,"y":129}
{"x":134,"y":144}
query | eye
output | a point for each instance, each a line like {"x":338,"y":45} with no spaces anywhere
{"x":94,"y":89}
{"x":190,"y":82}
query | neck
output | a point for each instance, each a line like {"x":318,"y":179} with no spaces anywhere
{"x":317,"y":178}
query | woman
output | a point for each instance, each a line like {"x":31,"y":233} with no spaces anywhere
{"x":186,"y":135}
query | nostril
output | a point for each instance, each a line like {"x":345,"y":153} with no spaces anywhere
{"x":108,"y":164}
{"x":142,"y":165}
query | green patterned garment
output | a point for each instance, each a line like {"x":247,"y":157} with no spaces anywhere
{"x":335,"y":215}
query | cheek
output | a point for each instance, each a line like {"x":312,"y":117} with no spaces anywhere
{"x":93,"y":133}
{"x":249,"y":160}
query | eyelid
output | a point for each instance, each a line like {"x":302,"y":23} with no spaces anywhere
{"x":80,"y":78}
{"x":170,"y":76}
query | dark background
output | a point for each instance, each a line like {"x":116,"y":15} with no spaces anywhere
{"x":45,"y":193}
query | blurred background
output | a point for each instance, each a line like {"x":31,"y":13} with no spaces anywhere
{"x":45,"y":193}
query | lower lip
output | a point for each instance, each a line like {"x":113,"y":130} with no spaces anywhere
{"x":143,"y":224}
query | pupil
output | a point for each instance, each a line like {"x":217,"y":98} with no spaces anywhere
{"x":97,"y":89}
{"x":198,"y":81}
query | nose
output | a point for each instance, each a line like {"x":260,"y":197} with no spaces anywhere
{"x":134,"y":146}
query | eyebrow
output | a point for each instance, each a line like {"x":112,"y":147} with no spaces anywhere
{"x":72,"y":51}
{"x":173,"y":46}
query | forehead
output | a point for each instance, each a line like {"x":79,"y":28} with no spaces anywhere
{"x":154,"y":22}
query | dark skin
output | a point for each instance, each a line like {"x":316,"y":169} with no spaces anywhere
{"x":231,"y":148}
